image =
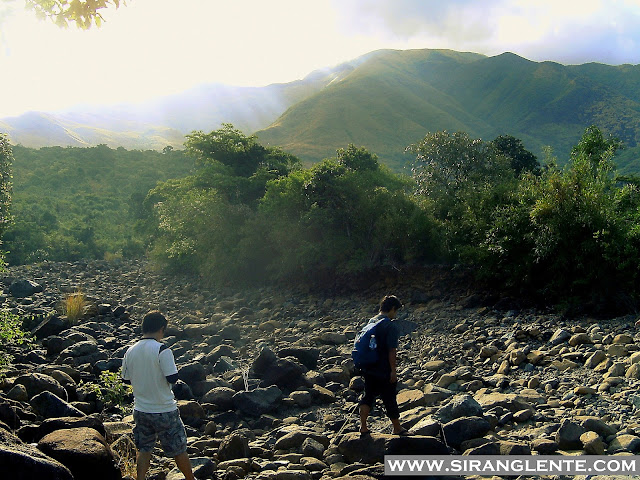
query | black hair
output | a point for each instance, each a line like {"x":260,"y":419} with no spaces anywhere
{"x":390,"y":302}
{"x":153,"y":322}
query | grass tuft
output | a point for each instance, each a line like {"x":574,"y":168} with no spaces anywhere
{"x":74,"y":305}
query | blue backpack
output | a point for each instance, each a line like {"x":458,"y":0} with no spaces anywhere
{"x":365,"y":347}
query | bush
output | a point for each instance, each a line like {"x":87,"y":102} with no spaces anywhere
{"x":11,"y":335}
{"x":111,"y":391}
{"x":569,"y":234}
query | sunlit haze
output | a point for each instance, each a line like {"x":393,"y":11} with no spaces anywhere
{"x":158,"y":47}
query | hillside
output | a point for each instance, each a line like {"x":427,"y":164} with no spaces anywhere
{"x":71,"y":203}
{"x":395,"y":97}
{"x":384,"y":100}
{"x":164,"y":121}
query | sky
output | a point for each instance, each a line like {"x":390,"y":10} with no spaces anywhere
{"x":151,"y":48}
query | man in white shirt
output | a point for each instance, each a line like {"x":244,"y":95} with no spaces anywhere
{"x":150,"y":368}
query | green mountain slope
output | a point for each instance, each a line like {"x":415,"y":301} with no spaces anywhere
{"x":164,"y":121}
{"x":394,"y":98}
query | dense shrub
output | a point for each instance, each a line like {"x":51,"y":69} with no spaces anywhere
{"x":569,"y":234}
{"x":270,"y":219}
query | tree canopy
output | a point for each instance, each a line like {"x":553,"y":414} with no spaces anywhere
{"x":82,"y":13}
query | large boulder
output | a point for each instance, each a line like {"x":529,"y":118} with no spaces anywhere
{"x":191,"y":373}
{"x":36,"y":383}
{"x":465,"y":428}
{"x":83,"y":451}
{"x":22,"y":461}
{"x":24,"y":288}
{"x":568,"y":435}
{"x":371,"y":449}
{"x":234,"y":446}
{"x":258,"y":401}
{"x":62,"y":423}
{"x":307,"y":356}
{"x":459,"y":406}
{"x":221,"y":397}
{"x":263,"y":362}
{"x":52,"y":325}
{"x":48,"y":405}
{"x":285,"y":373}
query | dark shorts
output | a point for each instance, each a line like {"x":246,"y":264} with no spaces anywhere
{"x":381,"y":387}
{"x":167,"y":427}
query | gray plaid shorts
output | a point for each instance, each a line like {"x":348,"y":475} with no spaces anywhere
{"x":167,"y":427}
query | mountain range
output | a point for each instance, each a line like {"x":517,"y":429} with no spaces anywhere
{"x":385,"y":101}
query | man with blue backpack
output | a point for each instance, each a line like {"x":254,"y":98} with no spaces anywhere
{"x":374,"y":354}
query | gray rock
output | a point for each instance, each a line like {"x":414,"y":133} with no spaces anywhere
{"x":514,"y":448}
{"x":296,"y":438}
{"x":544,"y":446}
{"x":191,"y":373}
{"x":258,"y":401}
{"x":285,"y":373}
{"x":428,"y":427}
{"x":263,"y":362}
{"x":568,"y":435}
{"x":36,"y":383}
{"x":234,"y":446}
{"x":459,"y":406}
{"x":231,"y":332}
{"x":312,"y":448}
{"x":559,"y":336}
{"x":307,"y":356}
{"x":52,"y":325}
{"x":222,"y":397}
{"x":83,"y":451}
{"x":24,"y":462}
{"x":465,"y":428}
{"x":625,"y":443}
{"x":595,"y":359}
{"x":64,"y":423}
{"x":48,"y":405}
{"x":218,"y":352}
{"x":24,"y":288}
{"x":598,"y":425}
{"x":80,"y":349}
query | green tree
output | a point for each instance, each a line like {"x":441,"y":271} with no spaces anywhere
{"x":594,"y":147}
{"x":6,"y":161}
{"x":570,"y":234}
{"x":345,"y":215}
{"x":521,"y":159}
{"x":461,"y":180}
{"x":204,"y":221}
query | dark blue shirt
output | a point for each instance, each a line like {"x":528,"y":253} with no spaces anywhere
{"x":386,"y":339}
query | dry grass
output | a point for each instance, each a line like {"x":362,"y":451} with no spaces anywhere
{"x":126,"y":455}
{"x":74,"y":305}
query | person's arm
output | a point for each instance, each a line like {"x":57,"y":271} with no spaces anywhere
{"x":393,"y":357}
{"x":168,"y":364}
{"x":392,"y":345}
{"x":124,"y":372}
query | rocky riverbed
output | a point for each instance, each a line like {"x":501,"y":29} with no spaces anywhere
{"x":267,"y":388}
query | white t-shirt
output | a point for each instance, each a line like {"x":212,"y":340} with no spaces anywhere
{"x":146,"y":366}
